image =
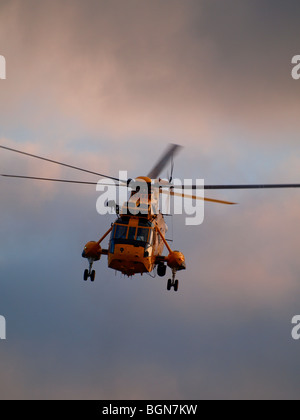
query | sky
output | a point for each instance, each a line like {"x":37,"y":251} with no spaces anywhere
{"x":106,"y":86}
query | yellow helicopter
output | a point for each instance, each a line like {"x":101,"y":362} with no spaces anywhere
{"x":137,"y":237}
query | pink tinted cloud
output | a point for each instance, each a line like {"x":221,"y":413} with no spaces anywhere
{"x":140,"y":67}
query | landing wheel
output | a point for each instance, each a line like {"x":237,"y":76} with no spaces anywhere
{"x":88,"y":273}
{"x":161,"y":270}
{"x":172,"y":282}
{"x":176,"y":284}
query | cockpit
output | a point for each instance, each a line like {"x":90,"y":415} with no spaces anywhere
{"x":124,"y":233}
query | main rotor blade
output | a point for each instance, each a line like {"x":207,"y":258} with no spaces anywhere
{"x":59,"y":163}
{"x":162,"y":163}
{"x":236,"y":187}
{"x":194,"y":197}
{"x":59,"y":180}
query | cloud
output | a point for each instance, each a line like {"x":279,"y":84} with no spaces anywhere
{"x":178,"y":69}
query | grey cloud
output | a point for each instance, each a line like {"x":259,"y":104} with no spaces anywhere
{"x":174,"y":66}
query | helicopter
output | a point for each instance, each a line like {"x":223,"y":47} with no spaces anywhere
{"x":138,"y":235}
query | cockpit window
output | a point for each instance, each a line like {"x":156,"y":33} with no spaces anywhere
{"x":131,"y":233}
{"x":142,"y":234}
{"x":120,"y":232}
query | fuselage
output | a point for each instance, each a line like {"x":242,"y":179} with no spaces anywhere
{"x":135,"y":245}
{"x":137,"y":237}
